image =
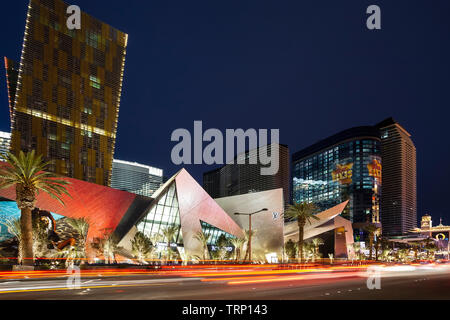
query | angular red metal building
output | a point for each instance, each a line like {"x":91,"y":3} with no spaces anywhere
{"x":103,"y":207}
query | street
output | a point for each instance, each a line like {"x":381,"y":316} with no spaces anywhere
{"x":396,"y":282}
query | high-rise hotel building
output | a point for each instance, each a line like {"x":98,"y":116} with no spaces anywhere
{"x":135,"y":177}
{"x":345,"y":166}
{"x":374,"y":167}
{"x":5,"y":141}
{"x":235,"y":179}
{"x":399,"y":201}
{"x":65,"y":93}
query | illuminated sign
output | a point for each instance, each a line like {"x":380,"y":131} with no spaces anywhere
{"x":440,"y":236}
{"x":343,"y":173}
{"x":375,"y":169}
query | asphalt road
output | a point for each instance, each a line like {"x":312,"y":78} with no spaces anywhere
{"x":415,"y":283}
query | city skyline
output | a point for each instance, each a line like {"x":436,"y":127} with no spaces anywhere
{"x":182,"y":88}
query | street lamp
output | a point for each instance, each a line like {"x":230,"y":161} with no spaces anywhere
{"x":249,"y":230}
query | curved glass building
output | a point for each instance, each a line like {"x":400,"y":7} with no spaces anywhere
{"x":345,"y":166}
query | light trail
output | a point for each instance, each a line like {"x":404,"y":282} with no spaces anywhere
{"x":60,"y":288}
{"x":279,"y":272}
{"x":182,"y":271}
{"x":235,"y":276}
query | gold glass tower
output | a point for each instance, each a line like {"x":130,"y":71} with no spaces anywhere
{"x":66,"y":102}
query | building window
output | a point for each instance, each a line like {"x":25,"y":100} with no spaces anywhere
{"x":94,"y":82}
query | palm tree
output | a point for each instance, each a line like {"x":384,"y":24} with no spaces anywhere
{"x":290,"y":247}
{"x":372,"y":229}
{"x":377,"y":247}
{"x":169,"y":233}
{"x":81,"y":226}
{"x":237,"y":244}
{"x":356,"y":250}
{"x":70,"y":253}
{"x":331,"y":257}
{"x":221,"y":246}
{"x":386,"y":254}
{"x":430,"y":247}
{"x":403,"y":255}
{"x":303,"y":212}
{"x":26,"y":173}
{"x":247,"y":238}
{"x":13,"y":226}
{"x":203,"y":238}
{"x":415,"y":246}
{"x":109,"y":248}
{"x":316,"y":242}
{"x":308,"y":251}
{"x":141,"y":246}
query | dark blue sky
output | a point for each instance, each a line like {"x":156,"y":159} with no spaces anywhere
{"x":309,"y":68}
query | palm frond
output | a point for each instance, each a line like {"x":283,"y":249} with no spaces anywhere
{"x":304,"y":211}
{"x":81,"y":226}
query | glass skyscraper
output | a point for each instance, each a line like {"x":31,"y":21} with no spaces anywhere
{"x":374,"y":167}
{"x":345,"y":166}
{"x":65,"y":93}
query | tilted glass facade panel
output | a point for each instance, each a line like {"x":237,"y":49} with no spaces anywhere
{"x":214,"y":233}
{"x":348,"y":171}
{"x":163,"y":214}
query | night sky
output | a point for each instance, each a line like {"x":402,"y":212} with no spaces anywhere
{"x":309,"y":68}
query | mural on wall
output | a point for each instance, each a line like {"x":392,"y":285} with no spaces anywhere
{"x":10,"y":211}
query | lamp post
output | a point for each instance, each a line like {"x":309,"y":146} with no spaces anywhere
{"x":249,"y":230}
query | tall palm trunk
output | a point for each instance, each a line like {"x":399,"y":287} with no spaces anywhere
{"x":169,"y":251}
{"x":26,"y":238}
{"x":377,"y":245}
{"x":247,"y":249}
{"x":206,"y":252}
{"x":237,"y":254}
{"x":370,"y":245}
{"x":301,"y":226}
{"x":246,"y":252}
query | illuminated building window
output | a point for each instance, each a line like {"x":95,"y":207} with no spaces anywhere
{"x":94,"y":82}
{"x":65,"y":146}
{"x":86,"y":133}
